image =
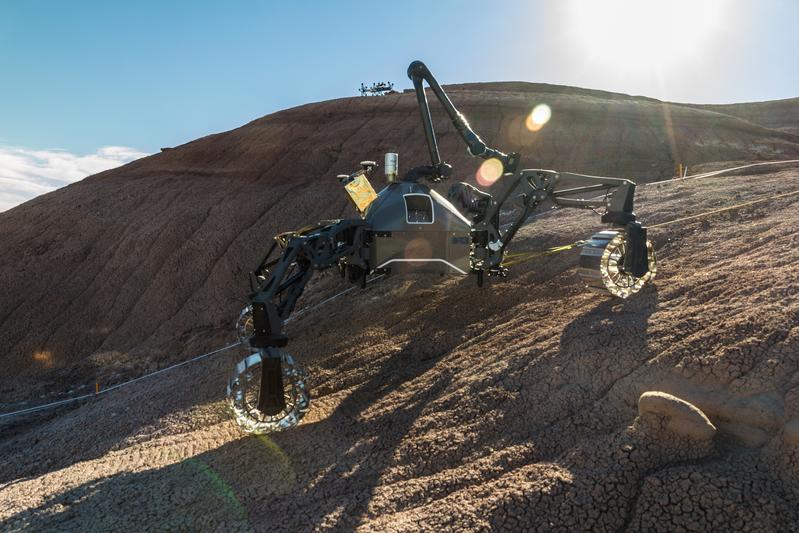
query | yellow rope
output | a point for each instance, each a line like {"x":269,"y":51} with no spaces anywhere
{"x":515,"y":259}
{"x":521,"y":257}
{"x":723,"y":209}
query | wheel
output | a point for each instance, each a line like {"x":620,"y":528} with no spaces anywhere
{"x":602,"y":265}
{"x":243,"y":389}
{"x":244,"y":325}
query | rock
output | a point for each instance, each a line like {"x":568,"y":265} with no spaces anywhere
{"x":791,"y":432}
{"x":683,"y":418}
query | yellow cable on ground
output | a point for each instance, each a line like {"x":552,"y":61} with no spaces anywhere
{"x":521,"y":257}
{"x":723,"y":209}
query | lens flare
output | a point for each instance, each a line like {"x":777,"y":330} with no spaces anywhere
{"x":418,"y":249}
{"x":44,"y":358}
{"x":538,"y":117}
{"x":220,"y":493}
{"x":489,"y":172}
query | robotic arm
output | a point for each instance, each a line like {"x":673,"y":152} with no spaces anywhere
{"x":439,"y":170}
{"x":533,"y":186}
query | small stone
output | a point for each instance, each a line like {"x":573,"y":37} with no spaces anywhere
{"x":683,"y":417}
{"x":791,"y":432}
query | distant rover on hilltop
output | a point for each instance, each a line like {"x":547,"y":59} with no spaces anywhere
{"x":381,"y":88}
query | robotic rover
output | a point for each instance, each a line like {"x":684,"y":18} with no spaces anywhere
{"x":377,"y":89}
{"x":408,"y":228}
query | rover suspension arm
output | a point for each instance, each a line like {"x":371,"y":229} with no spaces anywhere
{"x":278,"y":284}
{"x":439,"y":170}
{"x":532,"y":188}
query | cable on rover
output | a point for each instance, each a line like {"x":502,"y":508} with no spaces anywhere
{"x":523,"y":257}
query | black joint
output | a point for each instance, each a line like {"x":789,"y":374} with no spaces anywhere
{"x":480,"y":238}
{"x":477,"y":147}
{"x":434,"y":173}
{"x":444,"y":170}
{"x":512,"y":162}
{"x":618,"y":218}
{"x":267,"y":325}
{"x":417,"y":69}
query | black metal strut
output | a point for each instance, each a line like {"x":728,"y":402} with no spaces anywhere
{"x":316,"y":248}
{"x":418,"y":73}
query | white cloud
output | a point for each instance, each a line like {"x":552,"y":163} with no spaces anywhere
{"x":25,"y":173}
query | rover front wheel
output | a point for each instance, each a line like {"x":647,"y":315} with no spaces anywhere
{"x":244,"y":386}
{"x":602,"y":265}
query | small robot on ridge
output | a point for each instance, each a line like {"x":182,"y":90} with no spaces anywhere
{"x":381,"y":88}
{"x":408,"y":228}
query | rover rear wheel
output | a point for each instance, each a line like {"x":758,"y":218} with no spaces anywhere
{"x":602,"y":265}
{"x":244,"y":386}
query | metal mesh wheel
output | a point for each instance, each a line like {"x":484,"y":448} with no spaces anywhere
{"x":602,"y":265}
{"x":244,"y":325}
{"x":244,"y":386}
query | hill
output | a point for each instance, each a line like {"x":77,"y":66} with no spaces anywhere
{"x":436,"y":405}
{"x":130,"y":259}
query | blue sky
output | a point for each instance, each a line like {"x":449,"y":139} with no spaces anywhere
{"x":80,"y":75}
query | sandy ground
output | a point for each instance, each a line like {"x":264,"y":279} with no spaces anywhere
{"x":440,"y":406}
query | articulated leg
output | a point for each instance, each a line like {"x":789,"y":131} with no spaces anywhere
{"x":636,"y":262}
{"x":267,"y":389}
{"x":270,"y":399}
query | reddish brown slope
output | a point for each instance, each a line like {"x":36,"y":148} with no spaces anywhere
{"x":148,"y":257}
{"x":438,"y":406}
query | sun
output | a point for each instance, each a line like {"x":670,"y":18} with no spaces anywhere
{"x":639,"y":34}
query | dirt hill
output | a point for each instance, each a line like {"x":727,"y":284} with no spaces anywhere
{"x":436,"y":405}
{"x":778,"y":114}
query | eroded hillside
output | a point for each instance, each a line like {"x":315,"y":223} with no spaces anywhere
{"x":136,"y":262}
{"x":436,"y":405}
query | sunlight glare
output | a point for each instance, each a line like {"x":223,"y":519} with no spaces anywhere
{"x":637,"y":34}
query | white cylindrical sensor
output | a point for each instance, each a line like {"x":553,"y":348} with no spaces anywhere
{"x":391,"y":166}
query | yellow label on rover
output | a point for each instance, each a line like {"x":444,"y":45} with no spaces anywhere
{"x":361,"y":192}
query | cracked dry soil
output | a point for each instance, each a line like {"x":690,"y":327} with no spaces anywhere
{"x":437,"y":406}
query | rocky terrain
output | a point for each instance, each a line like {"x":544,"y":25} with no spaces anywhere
{"x":529,"y":404}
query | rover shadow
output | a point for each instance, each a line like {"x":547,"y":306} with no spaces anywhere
{"x":609,"y":342}
{"x":596,"y":351}
{"x":341,"y":481}
{"x":323,"y":474}
{"x":320,"y":474}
